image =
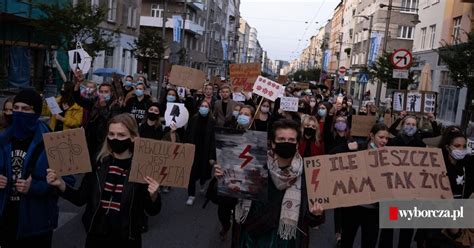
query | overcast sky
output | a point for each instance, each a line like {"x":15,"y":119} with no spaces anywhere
{"x":281,"y":23}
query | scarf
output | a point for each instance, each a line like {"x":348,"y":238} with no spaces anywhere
{"x":289,"y":180}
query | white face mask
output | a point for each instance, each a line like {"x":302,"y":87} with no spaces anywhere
{"x":265,"y":109}
{"x":459,"y":154}
{"x":312,"y":104}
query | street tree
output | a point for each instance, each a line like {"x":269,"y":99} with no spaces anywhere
{"x":459,"y":59}
{"x":382,"y":70}
{"x":149,"y":45}
{"x":68,"y":24}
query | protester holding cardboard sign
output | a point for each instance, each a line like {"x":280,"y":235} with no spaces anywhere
{"x":29,"y":211}
{"x":285,"y":219}
{"x":115,"y":207}
{"x":410,"y":134}
{"x":364,"y":216}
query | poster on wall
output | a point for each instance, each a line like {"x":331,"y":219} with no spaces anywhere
{"x":414,"y":102}
{"x":398,"y":101}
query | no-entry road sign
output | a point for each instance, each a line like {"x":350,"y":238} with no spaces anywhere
{"x":401,"y":59}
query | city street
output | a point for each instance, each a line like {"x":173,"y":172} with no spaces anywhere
{"x":177,"y":226}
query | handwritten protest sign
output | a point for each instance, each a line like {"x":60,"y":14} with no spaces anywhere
{"x":53,"y":106}
{"x":267,"y":88}
{"x":364,"y":177}
{"x":168,"y":163}
{"x":282,"y":79}
{"x":289,"y":104}
{"x":361,"y":125}
{"x":243,"y":156}
{"x":243,"y":76}
{"x":67,"y":152}
{"x":187,"y":77}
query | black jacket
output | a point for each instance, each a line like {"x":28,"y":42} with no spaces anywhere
{"x":135,"y":202}
{"x":138,"y":108}
{"x":414,"y":141}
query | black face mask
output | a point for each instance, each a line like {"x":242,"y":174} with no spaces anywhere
{"x":153,"y":116}
{"x":309,"y":132}
{"x":285,"y":150}
{"x":120,"y":146}
{"x":8,"y":119}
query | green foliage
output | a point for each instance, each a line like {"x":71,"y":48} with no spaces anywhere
{"x":382,"y":69}
{"x":306,"y":75}
{"x":67,"y":24}
{"x":149,"y":44}
{"x":460,"y":61}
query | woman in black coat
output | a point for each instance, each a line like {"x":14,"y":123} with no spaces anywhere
{"x":200,"y":132}
{"x":115,"y":207}
{"x":410,"y":135}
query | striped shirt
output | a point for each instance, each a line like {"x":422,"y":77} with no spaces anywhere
{"x":112,"y":192}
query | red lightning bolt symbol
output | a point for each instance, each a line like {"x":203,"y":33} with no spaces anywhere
{"x":175,"y":151}
{"x":163,"y":173}
{"x":245,"y":156}
{"x":314,"y":179}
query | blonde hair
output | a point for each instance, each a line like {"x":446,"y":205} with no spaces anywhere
{"x":307,"y":120}
{"x":125,"y":119}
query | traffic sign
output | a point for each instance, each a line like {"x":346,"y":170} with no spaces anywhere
{"x":397,"y":73}
{"x":342,"y":70}
{"x":401,"y":59}
{"x":341,"y":80}
{"x":363,"y":78}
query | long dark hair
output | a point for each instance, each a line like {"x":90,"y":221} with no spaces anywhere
{"x":68,"y":97}
{"x":377,"y":128}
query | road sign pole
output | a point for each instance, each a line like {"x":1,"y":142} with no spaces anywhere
{"x":399,"y":83}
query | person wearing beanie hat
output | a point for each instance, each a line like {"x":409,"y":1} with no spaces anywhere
{"x":28,"y":214}
{"x":151,"y":125}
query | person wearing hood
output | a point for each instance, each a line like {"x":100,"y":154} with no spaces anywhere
{"x":28,"y":205}
{"x":283,"y":220}
{"x":200,"y":132}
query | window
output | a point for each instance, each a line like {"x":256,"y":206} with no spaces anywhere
{"x":112,"y":13}
{"x":444,"y":78}
{"x":109,"y":57}
{"x":405,"y":32}
{"x":350,"y":33}
{"x":129,"y":16}
{"x":156,"y":11}
{"x":409,"y":6}
{"x":456,"y":29}
{"x":432,"y":35}
{"x":448,"y":103}
{"x":423,"y":38}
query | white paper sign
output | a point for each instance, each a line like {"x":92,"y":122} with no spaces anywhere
{"x":397,"y":73}
{"x":79,"y":59}
{"x":181,"y":92}
{"x":289,"y":104}
{"x":267,"y":88}
{"x":470,"y":146}
{"x":238,"y":97}
{"x":53,"y":106}
{"x":430,"y":103}
{"x":413,"y":102}
{"x":398,"y":101}
{"x":177,"y":113}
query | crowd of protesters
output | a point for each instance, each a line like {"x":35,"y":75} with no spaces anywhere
{"x":115,"y":113}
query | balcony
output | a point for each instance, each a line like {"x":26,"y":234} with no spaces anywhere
{"x":195,"y":4}
{"x":158,"y":23}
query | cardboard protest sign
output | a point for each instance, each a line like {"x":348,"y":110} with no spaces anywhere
{"x":53,"y":106}
{"x":289,"y":104}
{"x":177,"y":113}
{"x":361,"y":125}
{"x":243,"y":76}
{"x":168,"y":163}
{"x":187,"y":77}
{"x":243,"y":157}
{"x":282,"y":79}
{"x":67,"y":152}
{"x":216,"y":80}
{"x":369,"y":176}
{"x":268,"y":88}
